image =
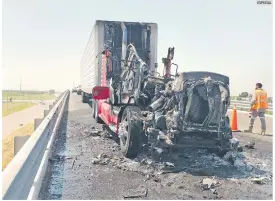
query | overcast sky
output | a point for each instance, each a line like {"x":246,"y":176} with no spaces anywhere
{"x":43,"y":41}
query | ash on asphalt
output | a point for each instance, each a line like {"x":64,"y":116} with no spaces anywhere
{"x":87,"y":164}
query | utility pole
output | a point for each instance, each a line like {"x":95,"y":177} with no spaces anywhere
{"x":20,"y":84}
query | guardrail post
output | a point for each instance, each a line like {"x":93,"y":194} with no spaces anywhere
{"x":37,"y":122}
{"x":46,"y":112}
{"x":19,"y":141}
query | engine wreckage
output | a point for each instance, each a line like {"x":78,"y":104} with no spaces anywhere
{"x":187,"y":110}
{"x":191,"y":111}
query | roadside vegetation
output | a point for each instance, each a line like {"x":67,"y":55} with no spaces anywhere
{"x":8,"y":143}
{"x":27,"y":95}
{"x":12,"y":107}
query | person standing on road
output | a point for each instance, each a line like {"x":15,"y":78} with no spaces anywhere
{"x":259,"y":104}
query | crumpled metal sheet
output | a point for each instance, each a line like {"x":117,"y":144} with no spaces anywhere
{"x":137,"y":33}
{"x":196,"y":104}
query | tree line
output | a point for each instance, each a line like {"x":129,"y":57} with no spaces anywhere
{"x":249,"y":95}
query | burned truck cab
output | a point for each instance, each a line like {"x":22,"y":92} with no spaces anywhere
{"x":192,"y":110}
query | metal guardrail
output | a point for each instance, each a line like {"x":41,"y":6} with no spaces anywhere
{"x":19,"y":178}
{"x":245,"y":105}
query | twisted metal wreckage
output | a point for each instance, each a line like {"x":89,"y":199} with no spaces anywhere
{"x":181,"y":110}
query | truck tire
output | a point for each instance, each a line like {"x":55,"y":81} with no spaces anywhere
{"x":131,"y":139}
{"x":95,"y":114}
{"x":84,"y":99}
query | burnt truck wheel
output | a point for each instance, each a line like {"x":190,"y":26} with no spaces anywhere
{"x":130,"y":132}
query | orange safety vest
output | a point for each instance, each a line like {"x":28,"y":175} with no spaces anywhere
{"x":261,"y":100}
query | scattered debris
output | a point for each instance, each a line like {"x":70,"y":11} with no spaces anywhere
{"x":214,"y":191}
{"x":234,"y":143}
{"x":240,"y":148}
{"x":104,"y":161}
{"x":208,"y":183}
{"x":146,"y":161}
{"x":181,"y":187}
{"x":168,"y":164}
{"x":159,"y":150}
{"x":250,"y":145}
{"x":239,"y":163}
{"x":249,"y":168}
{"x":259,"y":180}
{"x":177,"y":170}
{"x":95,"y":161}
{"x":142,"y":195}
{"x":73,"y":163}
{"x":58,"y":158}
{"x":101,"y":156}
{"x":94,"y":133}
{"x":154,"y":177}
{"x":170,"y":183}
{"x":211,"y":184}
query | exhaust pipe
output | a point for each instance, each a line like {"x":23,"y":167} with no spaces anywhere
{"x":157,"y":104}
{"x":124,"y":42}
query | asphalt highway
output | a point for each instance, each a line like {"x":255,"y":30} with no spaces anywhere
{"x":87,"y":164}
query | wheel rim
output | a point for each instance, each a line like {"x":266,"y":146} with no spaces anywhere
{"x":123,"y":130}
{"x":95,"y":108}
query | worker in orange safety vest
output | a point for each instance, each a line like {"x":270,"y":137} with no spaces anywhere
{"x":259,"y":104}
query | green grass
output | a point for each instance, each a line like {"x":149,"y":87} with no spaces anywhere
{"x":18,"y":95}
{"x":9,"y":108}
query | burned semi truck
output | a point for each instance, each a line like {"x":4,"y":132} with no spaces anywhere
{"x":149,"y":110}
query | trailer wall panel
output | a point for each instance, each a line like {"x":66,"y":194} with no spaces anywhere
{"x":101,"y":38}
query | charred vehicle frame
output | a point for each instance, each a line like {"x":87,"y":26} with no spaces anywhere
{"x":186,"y":109}
{"x":147,"y":110}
